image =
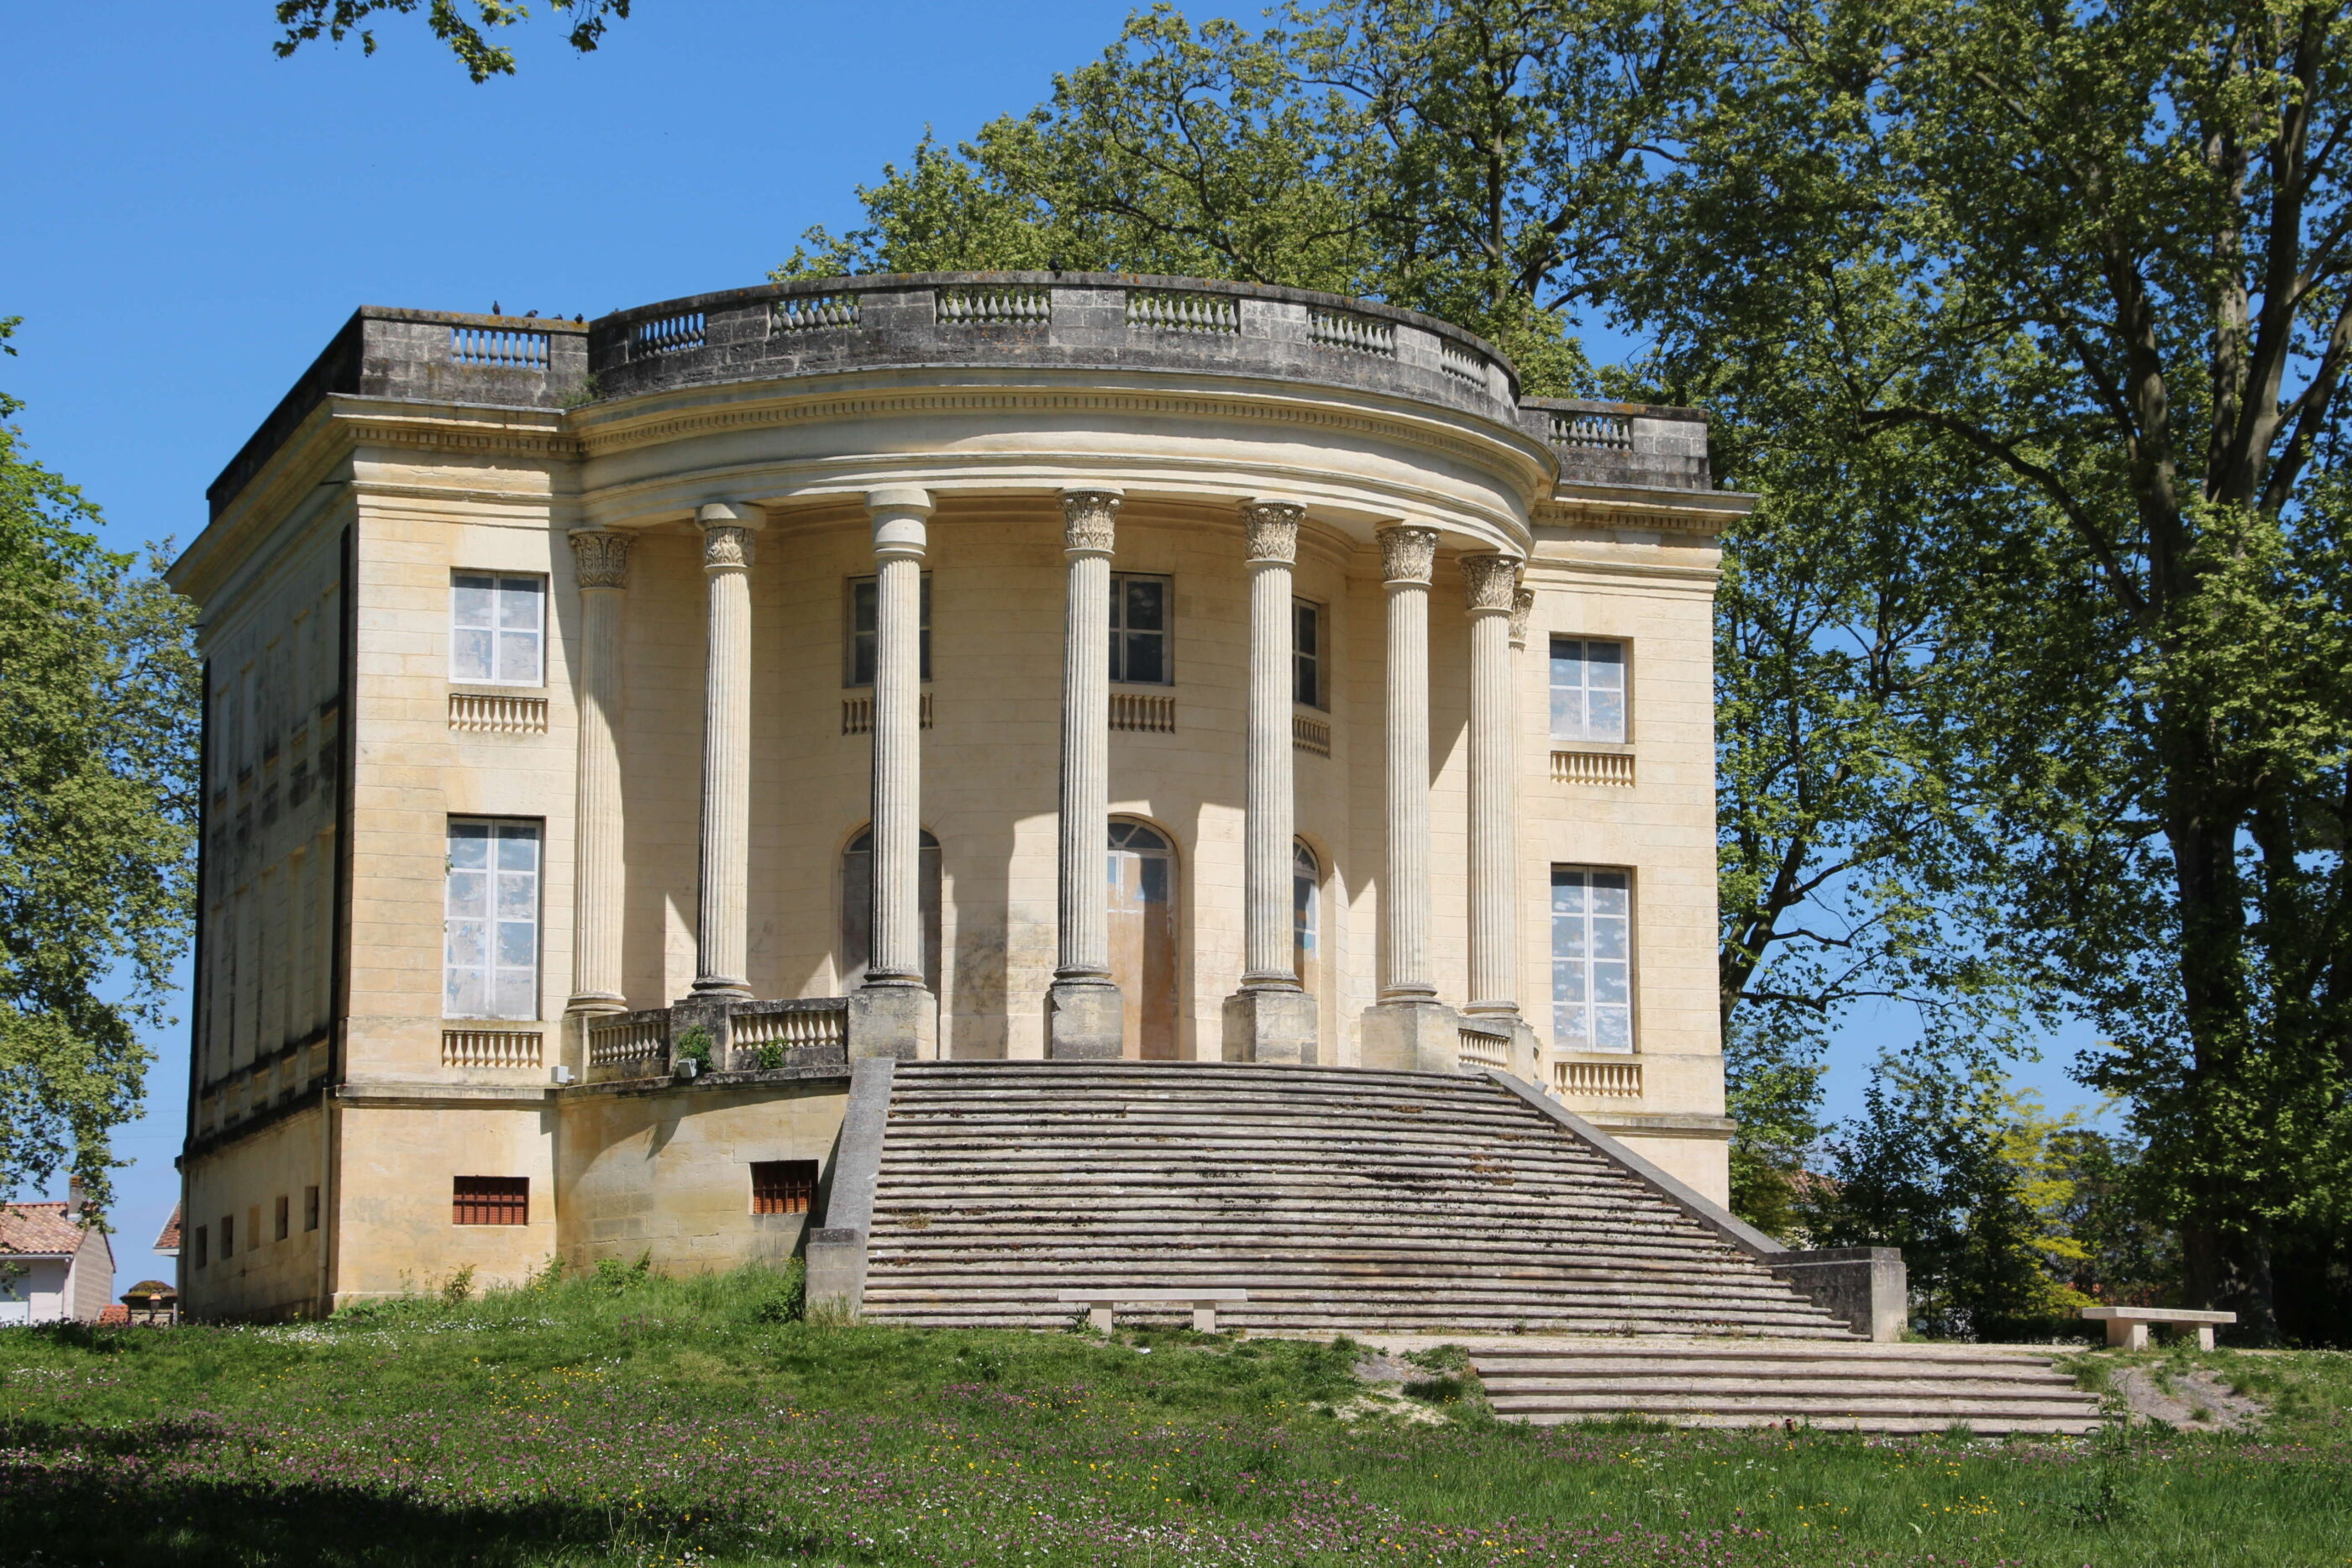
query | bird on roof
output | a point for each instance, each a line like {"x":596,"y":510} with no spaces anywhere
{"x":530,"y":315}
{"x":494,"y":309}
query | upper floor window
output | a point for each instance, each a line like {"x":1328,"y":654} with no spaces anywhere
{"x":1588,"y":689}
{"x":865,"y":622}
{"x":1140,"y":654}
{"x":497,"y":629}
{"x":490,"y":925}
{"x":1592,"y":959}
{"x":1307,"y":653}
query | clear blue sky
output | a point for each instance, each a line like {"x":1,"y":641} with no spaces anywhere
{"x":193,"y":218}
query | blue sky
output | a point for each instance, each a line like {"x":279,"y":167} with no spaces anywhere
{"x":193,"y":218}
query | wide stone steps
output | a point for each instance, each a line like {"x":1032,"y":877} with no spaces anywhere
{"x":1340,"y":1199}
{"x":1846,"y":1387}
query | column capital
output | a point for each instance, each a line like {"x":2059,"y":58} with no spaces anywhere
{"x":600,"y":557}
{"x":899,"y":515}
{"x":1408,"y":554}
{"x":1273,"y":530}
{"x":1088,"y":518}
{"x":1523,"y":604}
{"x":1490,"y":581}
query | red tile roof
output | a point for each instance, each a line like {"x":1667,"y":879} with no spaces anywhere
{"x":37,"y":1230}
{"x":168,"y":1240}
{"x":116,"y":1313}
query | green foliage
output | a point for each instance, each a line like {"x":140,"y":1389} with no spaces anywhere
{"x":97,"y":742}
{"x":1964,"y":1177}
{"x":695,"y":1045}
{"x":468,"y":40}
{"x":613,"y":1277}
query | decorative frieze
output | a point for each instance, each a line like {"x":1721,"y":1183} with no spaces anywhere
{"x":600,"y":557}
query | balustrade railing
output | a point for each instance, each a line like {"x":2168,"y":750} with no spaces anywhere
{"x":1173,"y":310}
{"x":985,"y":306}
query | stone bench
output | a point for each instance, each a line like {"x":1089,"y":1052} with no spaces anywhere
{"x":1204,"y":1304}
{"x":2127,"y":1327}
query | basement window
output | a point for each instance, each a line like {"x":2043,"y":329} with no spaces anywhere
{"x":782,"y":1186}
{"x":491,"y":1200}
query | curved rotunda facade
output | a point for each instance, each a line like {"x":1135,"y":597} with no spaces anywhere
{"x":614,"y":730}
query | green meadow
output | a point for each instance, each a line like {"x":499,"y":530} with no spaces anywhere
{"x":623,"y":1420}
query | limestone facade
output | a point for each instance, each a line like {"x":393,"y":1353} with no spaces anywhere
{"x":613,"y":728}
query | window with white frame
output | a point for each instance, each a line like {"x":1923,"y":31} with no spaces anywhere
{"x":490,"y":925}
{"x":1592,"y":959}
{"x":1138,"y":629}
{"x":497,"y":629}
{"x":1588,"y":689}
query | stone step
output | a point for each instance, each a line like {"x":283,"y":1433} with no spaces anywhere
{"x":1500,"y":1370}
{"x":905,"y":1285}
{"x":1783,"y":1402}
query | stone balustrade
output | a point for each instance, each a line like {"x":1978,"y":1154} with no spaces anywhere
{"x":744,"y":1037}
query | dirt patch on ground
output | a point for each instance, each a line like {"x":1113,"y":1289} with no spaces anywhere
{"x":2191,"y":1398}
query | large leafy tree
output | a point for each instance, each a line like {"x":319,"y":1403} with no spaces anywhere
{"x":98,"y":746}
{"x":471,"y":38}
{"x":2120,"y":240}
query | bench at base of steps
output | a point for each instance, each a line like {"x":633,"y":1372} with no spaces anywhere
{"x":2127,"y":1327}
{"x":1204,"y":1304}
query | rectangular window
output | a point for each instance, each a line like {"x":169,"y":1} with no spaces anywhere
{"x":497,"y":625}
{"x":864,"y":621}
{"x":1592,"y":959}
{"x":490,"y":921}
{"x":782,"y":1186}
{"x":1140,"y":654}
{"x":228,"y":1236}
{"x":285,"y":1216}
{"x":309,"y":1208}
{"x":1306,"y":653}
{"x":489,"y":1200}
{"x":202,"y":1245}
{"x":1588,"y":689}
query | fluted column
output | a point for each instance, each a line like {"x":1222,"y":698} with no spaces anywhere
{"x":1271,"y":1019}
{"x":1408,"y":1030}
{"x":1407,"y":555}
{"x":720,"y":956}
{"x":601,"y":566}
{"x":1083,"y":1017}
{"x":1491,"y":581}
{"x":899,"y":539}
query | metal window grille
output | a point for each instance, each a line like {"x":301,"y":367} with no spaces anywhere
{"x":489,"y":1200}
{"x":782,"y":1186}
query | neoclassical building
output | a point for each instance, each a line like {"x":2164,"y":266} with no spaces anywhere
{"x":615,"y":730}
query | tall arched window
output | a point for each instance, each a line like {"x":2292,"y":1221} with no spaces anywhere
{"x":857,"y":910}
{"x":1143,"y":937}
{"x":1306,"y":914}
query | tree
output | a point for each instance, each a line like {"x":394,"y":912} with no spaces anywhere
{"x":2121,"y":239}
{"x":98,"y":801}
{"x":468,"y":40}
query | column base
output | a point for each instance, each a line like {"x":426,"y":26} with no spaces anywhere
{"x":1411,"y":1037}
{"x":1086,"y":1021}
{"x":595,"y":1004}
{"x":1272,"y":1026}
{"x":898,"y":1021}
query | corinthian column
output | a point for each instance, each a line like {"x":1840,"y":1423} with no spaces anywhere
{"x":1083,"y":1017}
{"x":1271,"y":1019}
{"x":894,"y":1015}
{"x":721,"y":958}
{"x":1407,"y":1029}
{"x":601,"y":566}
{"x":1492,"y":581}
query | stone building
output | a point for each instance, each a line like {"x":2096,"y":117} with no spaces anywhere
{"x":615,"y":731}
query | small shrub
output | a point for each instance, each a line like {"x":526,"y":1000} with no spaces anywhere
{"x":771,"y":1055}
{"x":613,"y":1276}
{"x":786,"y":1300}
{"x":696,"y":1046}
{"x":459,"y":1286}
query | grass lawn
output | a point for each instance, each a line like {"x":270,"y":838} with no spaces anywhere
{"x":651,"y":1421}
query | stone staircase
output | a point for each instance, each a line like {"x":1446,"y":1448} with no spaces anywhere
{"x":1903,"y":1388}
{"x":1341,"y":1201}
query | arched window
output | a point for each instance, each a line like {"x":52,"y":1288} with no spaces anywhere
{"x":1143,"y":937}
{"x":858,"y":909}
{"x":1306,"y":914}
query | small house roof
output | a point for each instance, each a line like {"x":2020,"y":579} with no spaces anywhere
{"x":38,"y":1231}
{"x":167,"y":1241}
